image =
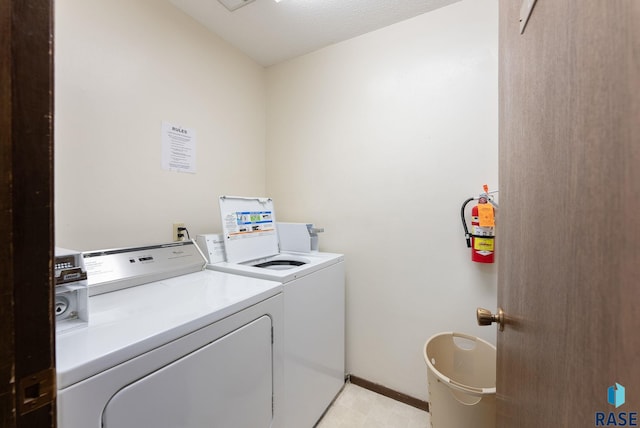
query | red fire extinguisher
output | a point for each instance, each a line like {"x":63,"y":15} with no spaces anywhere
{"x":481,"y":240}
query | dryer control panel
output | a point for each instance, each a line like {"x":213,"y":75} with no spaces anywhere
{"x":115,"y":269}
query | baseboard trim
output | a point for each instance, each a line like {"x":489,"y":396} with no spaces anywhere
{"x":388,"y":392}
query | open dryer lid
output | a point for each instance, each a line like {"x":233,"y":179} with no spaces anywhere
{"x":249,"y":228}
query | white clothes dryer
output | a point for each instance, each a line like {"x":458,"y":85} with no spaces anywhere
{"x":314,"y":304}
{"x":199,"y":349}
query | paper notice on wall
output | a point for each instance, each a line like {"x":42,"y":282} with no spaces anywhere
{"x":178,"y":148}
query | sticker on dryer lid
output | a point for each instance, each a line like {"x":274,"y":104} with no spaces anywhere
{"x":249,"y":224}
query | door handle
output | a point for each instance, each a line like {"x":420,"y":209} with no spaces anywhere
{"x":485,"y":317}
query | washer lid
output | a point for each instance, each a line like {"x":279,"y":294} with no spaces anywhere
{"x":249,"y":228}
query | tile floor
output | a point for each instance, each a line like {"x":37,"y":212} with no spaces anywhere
{"x":357,"y":407}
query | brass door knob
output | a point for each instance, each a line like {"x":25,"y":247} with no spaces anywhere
{"x":485,"y":317}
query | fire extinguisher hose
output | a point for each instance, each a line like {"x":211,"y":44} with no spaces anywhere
{"x":467,"y":235}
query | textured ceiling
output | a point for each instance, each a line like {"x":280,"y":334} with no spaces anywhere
{"x":271,"y":32}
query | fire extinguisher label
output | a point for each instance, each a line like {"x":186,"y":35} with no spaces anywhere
{"x":483,"y":231}
{"x":483,"y":244}
{"x":486,"y":215}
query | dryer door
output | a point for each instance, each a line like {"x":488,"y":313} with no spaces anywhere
{"x":227,"y":383}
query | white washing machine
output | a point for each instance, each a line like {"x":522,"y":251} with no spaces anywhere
{"x":199,"y":349}
{"x":314,"y":304}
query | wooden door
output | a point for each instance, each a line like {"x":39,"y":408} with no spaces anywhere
{"x":569,"y":253}
{"x":27,"y":377}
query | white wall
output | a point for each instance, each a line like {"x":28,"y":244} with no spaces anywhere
{"x":121,"y":68}
{"x":380,"y":139}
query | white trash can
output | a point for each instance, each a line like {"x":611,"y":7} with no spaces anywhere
{"x":461,"y":372}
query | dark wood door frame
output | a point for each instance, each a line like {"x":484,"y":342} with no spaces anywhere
{"x":27,"y":359}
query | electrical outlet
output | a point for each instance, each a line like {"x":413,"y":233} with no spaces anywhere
{"x":176,"y":232}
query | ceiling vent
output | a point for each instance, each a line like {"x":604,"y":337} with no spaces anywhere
{"x":232,"y":5}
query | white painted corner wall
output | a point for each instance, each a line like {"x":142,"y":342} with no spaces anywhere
{"x":122,"y":68}
{"x":379,"y":140}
